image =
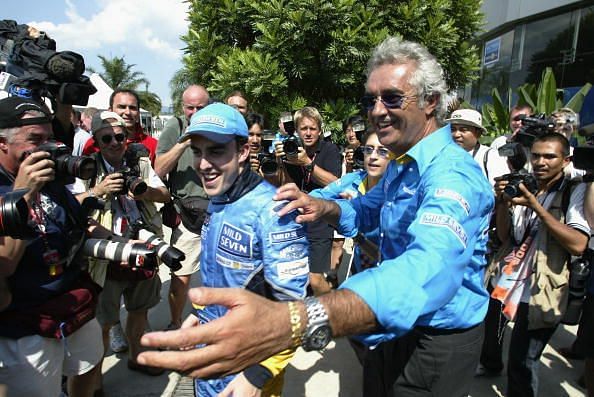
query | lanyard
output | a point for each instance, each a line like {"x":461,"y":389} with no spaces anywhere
{"x":307,"y":174}
{"x":51,"y":257}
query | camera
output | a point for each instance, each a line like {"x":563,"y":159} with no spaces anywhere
{"x":132,"y":182}
{"x":66,"y":165}
{"x":533,"y":127}
{"x":512,"y":189}
{"x":359,"y":157}
{"x":171,"y":256}
{"x":579,"y":272}
{"x":34,"y":69}
{"x":14,"y":215}
{"x":583,"y":155}
{"x":291,"y":145}
{"x":268,"y":163}
{"x":134,"y":254}
{"x":288,"y":124}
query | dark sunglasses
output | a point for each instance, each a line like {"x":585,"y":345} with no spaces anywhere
{"x":381,"y":151}
{"x":106,"y":139}
{"x":391,"y":101}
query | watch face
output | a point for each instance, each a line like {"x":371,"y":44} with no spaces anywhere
{"x":320,"y":337}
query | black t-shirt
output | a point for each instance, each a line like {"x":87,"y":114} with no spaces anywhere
{"x":327,"y":157}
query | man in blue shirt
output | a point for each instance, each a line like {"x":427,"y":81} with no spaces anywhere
{"x":432,"y":207}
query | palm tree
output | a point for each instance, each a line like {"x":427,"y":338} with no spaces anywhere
{"x":178,"y":83}
{"x":117,"y":73}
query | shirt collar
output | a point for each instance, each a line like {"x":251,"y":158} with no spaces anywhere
{"x":428,"y":148}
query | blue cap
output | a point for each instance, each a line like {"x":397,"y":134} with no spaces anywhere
{"x":218,"y":122}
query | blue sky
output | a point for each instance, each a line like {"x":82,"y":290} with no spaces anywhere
{"x":145,"y":32}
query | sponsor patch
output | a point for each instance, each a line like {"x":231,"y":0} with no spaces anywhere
{"x":453,"y":195}
{"x":287,"y":235}
{"x":293,"y":251}
{"x":235,"y":265}
{"x":288,"y":270}
{"x":408,"y":190}
{"x":235,"y":241}
{"x":211,"y":119}
{"x":443,"y":220}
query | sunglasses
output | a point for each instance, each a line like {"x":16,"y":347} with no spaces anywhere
{"x":381,"y":151}
{"x":106,"y":139}
{"x":391,"y":101}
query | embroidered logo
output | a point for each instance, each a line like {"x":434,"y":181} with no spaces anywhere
{"x":287,"y":235}
{"x":288,"y":270}
{"x":442,"y":220}
{"x":453,"y":195}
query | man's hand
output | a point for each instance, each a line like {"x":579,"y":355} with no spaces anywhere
{"x":301,"y":159}
{"x":112,"y":183}
{"x":252,"y":330}
{"x":34,"y":172}
{"x":311,"y":209}
{"x":240,"y":387}
{"x":526,"y":199}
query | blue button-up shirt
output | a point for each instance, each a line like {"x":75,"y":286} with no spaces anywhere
{"x":433,"y":208}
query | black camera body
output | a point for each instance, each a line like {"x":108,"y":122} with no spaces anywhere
{"x":512,"y":189}
{"x":533,"y":127}
{"x":579,"y":273}
{"x":37,"y":70}
{"x":359,"y":158}
{"x":291,"y":145}
{"x":268,"y":163}
{"x":66,"y":165}
{"x":133,"y":183}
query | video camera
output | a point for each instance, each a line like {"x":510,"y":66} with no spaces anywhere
{"x":31,"y":67}
{"x":532,"y":127}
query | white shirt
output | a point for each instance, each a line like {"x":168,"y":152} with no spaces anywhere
{"x":496,"y":165}
{"x":80,"y":138}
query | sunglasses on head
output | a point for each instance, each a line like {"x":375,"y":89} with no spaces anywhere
{"x":118,"y":137}
{"x":391,"y":101}
{"x":381,"y":151}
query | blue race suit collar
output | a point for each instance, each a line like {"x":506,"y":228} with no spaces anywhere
{"x":430,"y":146}
{"x":244,"y":183}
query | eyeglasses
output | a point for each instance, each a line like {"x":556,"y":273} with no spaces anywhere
{"x":193,"y":108}
{"x":391,"y":101}
{"x":106,"y":139}
{"x":381,"y":151}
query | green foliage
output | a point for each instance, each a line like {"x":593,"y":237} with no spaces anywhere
{"x":285,"y":54}
{"x":496,"y":115}
{"x":117,"y":73}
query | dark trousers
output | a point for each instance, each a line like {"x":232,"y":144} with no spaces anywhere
{"x":492,"y":350}
{"x":425,"y":362}
{"x":525,"y":349}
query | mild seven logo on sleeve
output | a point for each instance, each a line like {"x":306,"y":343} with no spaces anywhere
{"x":235,"y":241}
{"x":287,"y":235}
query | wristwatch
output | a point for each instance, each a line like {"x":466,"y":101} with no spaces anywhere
{"x":317,"y":332}
{"x":309,"y":168}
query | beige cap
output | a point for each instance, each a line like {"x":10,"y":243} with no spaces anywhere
{"x":467,"y":117}
{"x":106,"y":119}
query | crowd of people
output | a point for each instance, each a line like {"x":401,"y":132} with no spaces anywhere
{"x":452,"y":239}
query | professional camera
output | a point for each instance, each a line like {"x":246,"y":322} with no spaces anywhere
{"x":291,"y":145}
{"x":533,"y":127}
{"x":134,"y":254}
{"x":583,"y":155}
{"x":132,"y":182}
{"x":268,"y":163}
{"x":579,"y":272}
{"x":32,"y":68}
{"x":171,"y":256}
{"x":14,"y":215}
{"x":512,"y":189}
{"x":359,"y":157}
{"x":68,"y":166}
{"x":288,"y":124}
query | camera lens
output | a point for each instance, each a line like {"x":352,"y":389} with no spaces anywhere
{"x":268,"y":166}
{"x":136,"y":185}
{"x":290,"y":146}
{"x":14,"y":214}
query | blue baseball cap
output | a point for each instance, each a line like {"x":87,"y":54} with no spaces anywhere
{"x":218,"y":122}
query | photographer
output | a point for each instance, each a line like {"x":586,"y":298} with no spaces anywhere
{"x":540,"y":219}
{"x":130,"y":187}
{"x":353,"y":128}
{"x":48,"y":330}
{"x":314,"y":164}
{"x":255,"y":123}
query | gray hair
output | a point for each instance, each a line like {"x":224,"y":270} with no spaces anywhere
{"x":8,"y":133}
{"x":428,"y":78}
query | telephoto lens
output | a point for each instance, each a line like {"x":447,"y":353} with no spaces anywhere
{"x":14,"y":215}
{"x":171,"y":256}
{"x":134,"y":254}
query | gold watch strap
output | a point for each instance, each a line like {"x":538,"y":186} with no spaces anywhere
{"x":295,"y":318}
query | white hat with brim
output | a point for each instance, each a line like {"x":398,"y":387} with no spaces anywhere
{"x":467,"y":117}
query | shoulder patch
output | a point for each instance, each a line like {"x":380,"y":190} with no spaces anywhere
{"x":287,"y":235}
{"x":442,"y":220}
{"x":453,"y":195}
{"x":235,"y":241}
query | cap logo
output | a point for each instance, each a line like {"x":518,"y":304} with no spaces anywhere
{"x":211,"y":119}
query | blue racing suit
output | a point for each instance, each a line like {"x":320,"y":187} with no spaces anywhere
{"x":352,"y":184}
{"x":246,"y":245}
{"x":433,"y":207}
